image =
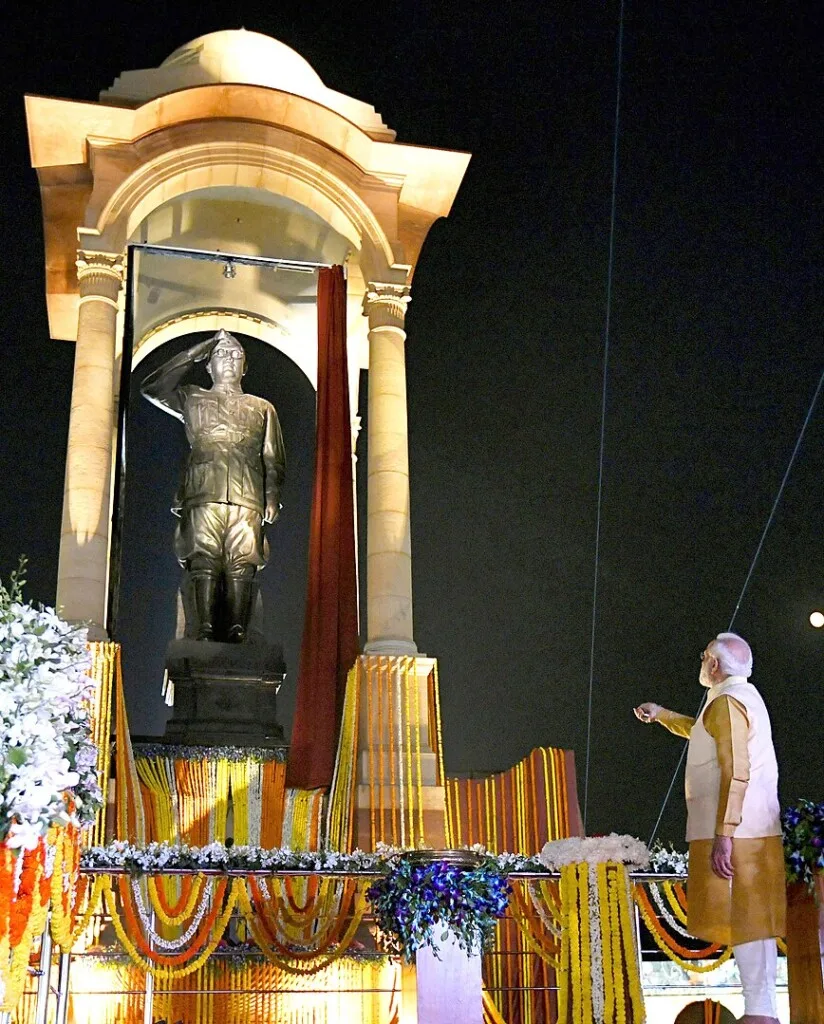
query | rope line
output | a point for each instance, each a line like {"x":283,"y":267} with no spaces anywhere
{"x":770,"y":518}
{"x":607,"y":320}
{"x":807,"y":419}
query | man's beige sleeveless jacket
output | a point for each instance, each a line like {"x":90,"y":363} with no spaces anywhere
{"x":760,"y":813}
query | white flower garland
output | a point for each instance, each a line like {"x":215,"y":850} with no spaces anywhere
{"x":664,"y":911}
{"x":288,"y":814}
{"x":612,"y":849}
{"x":595,"y":949}
{"x":552,"y":926}
{"x":158,"y":941}
{"x":255,"y":804}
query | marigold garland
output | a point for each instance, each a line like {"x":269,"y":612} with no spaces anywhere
{"x":25,"y":917}
{"x":171,"y":968}
{"x":269,"y":925}
{"x":663,"y":943}
{"x":66,"y":932}
{"x":23,"y":903}
{"x":191,"y":888}
{"x":627,"y":932}
{"x":69,"y":891}
{"x":599,"y":977}
{"x":286,"y":961}
{"x":547,"y":949}
{"x":659,"y":932}
{"x":201,"y":935}
{"x":676,"y":897}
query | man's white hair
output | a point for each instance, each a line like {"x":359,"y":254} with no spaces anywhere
{"x":734,"y":654}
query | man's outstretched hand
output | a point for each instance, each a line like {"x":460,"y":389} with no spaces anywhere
{"x":647,"y":712}
{"x":721,"y":857}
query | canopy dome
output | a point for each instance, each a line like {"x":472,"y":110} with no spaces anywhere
{"x":235,"y":56}
{"x":251,"y":58}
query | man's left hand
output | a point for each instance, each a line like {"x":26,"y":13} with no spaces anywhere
{"x":271,"y":512}
{"x":721,"y":856}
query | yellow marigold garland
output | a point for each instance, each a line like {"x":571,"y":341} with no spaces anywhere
{"x":674,"y":902}
{"x":613,"y":937}
{"x":160,"y":909}
{"x":627,"y":932}
{"x":65,"y":936}
{"x":622,"y":998}
{"x":586,"y":939}
{"x":527,"y":925}
{"x":277,"y":919}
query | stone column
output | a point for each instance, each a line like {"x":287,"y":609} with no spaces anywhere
{"x":388,"y":550}
{"x":83,"y":569}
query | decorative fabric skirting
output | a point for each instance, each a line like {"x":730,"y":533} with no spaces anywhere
{"x":518,"y":810}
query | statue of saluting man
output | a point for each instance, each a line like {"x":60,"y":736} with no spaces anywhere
{"x":231,"y":484}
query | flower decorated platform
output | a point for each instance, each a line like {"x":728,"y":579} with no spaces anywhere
{"x":223,"y":900}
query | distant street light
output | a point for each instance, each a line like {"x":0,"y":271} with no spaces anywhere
{"x":817,"y":619}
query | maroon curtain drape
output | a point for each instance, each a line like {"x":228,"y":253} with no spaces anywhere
{"x":330,"y":632}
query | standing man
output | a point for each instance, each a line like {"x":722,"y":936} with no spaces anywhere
{"x":736,"y":890}
{"x":231,"y":483}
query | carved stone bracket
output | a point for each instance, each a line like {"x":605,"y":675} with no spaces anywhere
{"x":385,"y":304}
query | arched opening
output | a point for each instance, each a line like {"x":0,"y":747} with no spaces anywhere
{"x":175,"y":296}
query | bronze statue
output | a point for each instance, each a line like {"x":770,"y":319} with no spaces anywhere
{"x":231,"y":484}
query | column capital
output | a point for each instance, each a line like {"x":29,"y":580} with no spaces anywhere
{"x":385,"y":304}
{"x":100,"y":272}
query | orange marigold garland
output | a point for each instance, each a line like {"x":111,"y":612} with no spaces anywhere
{"x":170,"y":967}
{"x":23,"y":903}
{"x":6,"y":884}
{"x":24,"y":915}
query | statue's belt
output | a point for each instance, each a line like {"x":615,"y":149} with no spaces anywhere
{"x":224,"y":450}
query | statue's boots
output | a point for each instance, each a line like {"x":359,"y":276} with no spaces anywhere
{"x":238,"y":607}
{"x":205,"y":588}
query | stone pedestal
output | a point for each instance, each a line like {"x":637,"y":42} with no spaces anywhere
{"x":442,"y":988}
{"x":225,"y":694}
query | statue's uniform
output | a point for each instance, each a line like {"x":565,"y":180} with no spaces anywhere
{"x":732,"y":790}
{"x":235,"y":467}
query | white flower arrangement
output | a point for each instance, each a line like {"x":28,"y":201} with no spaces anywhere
{"x":158,"y":857}
{"x":45,"y":749}
{"x":613,"y":849}
{"x":666,"y":860}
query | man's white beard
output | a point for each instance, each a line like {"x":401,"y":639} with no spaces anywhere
{"x":704,"y":676}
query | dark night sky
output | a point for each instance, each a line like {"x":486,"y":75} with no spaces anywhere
{"x":716,"y":349}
